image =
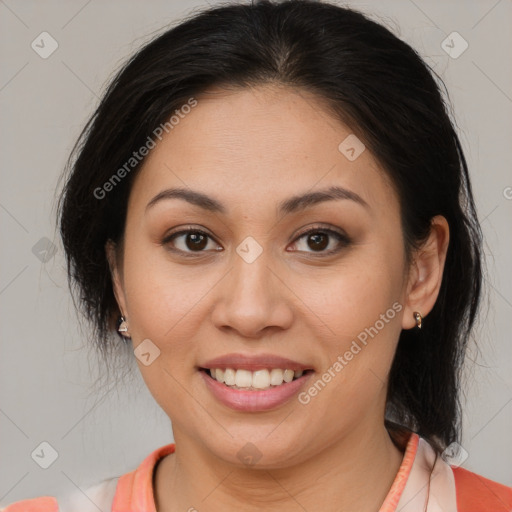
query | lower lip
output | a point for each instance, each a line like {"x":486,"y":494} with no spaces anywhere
{"x":254,"y":401}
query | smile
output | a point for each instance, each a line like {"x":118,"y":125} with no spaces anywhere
{"x":248,"y":397}
{"x":257,"y":380}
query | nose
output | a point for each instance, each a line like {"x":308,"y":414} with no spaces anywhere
{"x":253,"y":299}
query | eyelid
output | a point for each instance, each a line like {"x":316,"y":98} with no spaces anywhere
{"x":185,"y":229}
{"x":323,"y":228}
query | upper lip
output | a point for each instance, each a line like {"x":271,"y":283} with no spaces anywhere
{"x":254,"y":362}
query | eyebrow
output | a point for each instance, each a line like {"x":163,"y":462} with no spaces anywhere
{"x":287,"y":206}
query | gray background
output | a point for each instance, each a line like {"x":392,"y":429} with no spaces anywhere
{"x":46,"y":369}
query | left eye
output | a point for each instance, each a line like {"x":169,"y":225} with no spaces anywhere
{"x":319,"y":239}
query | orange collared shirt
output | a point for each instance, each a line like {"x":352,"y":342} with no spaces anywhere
{"x":424,"y":482}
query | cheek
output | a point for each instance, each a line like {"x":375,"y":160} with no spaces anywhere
{"x":361,"y":315}
{"x":354,"y":295}
{"x":163,"y":299}
{"x":164,"y":305}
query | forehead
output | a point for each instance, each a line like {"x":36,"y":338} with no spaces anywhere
{"x":250,"y":146}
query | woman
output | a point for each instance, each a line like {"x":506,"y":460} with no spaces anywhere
{"x":272,"y":208}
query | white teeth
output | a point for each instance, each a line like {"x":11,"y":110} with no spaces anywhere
{"x":288,"y":375}
{"x":260,"y":379}
{"x":243,"y":378}
{"x":229,"y":376}
{"x":276,"y":377}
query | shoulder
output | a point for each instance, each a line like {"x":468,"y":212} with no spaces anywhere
{"x":118,"y":492}
{"x":41,"y":504}
{"x":97,"y":497}
{"x":478,"y":494}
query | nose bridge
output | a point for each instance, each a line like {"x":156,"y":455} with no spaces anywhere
{"x":252,"y":275}
{"x":251,"y":299}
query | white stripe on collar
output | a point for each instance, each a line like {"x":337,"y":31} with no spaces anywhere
{"x":97,"y":498}
{"x":418,"y":495}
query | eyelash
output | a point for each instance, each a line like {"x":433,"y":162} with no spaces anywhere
{"x":343,"y":240}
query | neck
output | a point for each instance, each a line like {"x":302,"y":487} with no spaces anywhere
{"x":354,"y":473}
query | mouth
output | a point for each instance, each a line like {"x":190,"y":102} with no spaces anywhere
{"x":254,"y":382}
{"x":259,"y":380}
{"x":257,"y":391}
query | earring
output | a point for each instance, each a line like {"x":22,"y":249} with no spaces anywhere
{"x":418,"y":318}
{"x":122,"y":326}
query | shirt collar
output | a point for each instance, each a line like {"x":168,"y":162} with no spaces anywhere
{"x":411,"y":487}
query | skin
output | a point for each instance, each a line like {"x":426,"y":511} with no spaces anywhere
{"x":250,"y":149}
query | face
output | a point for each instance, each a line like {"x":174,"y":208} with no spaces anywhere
{"x":250,"y":275}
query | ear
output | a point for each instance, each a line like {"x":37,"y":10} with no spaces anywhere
{"x":116,"y":274}
{"x":426,"y":272}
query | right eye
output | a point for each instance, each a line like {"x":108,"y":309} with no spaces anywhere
{"x":188,"y":241}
